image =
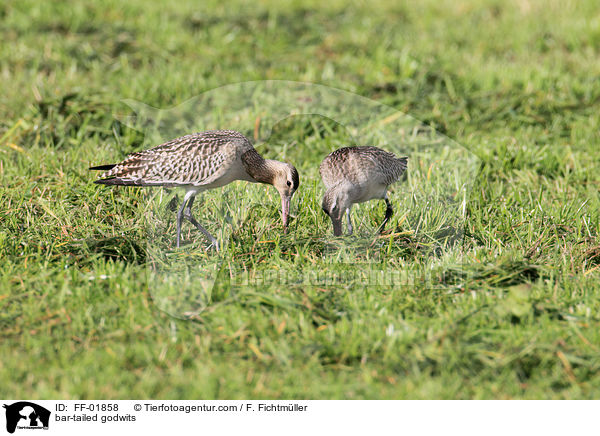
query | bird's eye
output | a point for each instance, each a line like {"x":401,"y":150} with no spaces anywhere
{"x":289,"y":183}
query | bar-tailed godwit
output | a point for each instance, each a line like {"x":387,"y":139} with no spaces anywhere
{"x":357,"y":174}
{"x":199,"y":162}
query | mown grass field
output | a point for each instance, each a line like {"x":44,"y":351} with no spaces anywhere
{"x":511,"y":311}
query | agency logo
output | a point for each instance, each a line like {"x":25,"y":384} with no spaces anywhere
{"x":26,"y":415}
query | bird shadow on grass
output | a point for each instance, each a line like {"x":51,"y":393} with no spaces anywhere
{"x":126,"y":249}
{"x":399,"y":242}
{"x":506,"y":273}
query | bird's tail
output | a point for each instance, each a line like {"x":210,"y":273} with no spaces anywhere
{"x":116,"y":181}
{"x":403,"y":162}
{"x":103,"y":167}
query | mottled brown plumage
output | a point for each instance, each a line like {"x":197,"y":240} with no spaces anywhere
{"x":200,"y":159}
{"x":355,"y":175}
{"x":199,"y":162}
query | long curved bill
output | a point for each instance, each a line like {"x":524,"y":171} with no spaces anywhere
{"x":285,"y":211}
{"x":337,"y":227}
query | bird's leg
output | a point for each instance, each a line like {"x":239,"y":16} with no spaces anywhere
{"x":350,"y":229}
{"x":388,"y":213}
{"x":180,"y":217}
{"x":188,"y":214}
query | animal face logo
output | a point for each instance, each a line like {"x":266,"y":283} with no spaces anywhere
{"x":26,"y":415}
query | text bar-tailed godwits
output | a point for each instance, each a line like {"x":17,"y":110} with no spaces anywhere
{"x":357,"y":174}
{"x":199,"y":162}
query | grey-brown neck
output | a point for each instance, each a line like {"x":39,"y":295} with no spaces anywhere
{"x":338,"y":198}
{"x":260,"y":169}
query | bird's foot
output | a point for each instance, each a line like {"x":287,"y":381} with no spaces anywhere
{"x":214,"y":244}
{"x":381,"y":227}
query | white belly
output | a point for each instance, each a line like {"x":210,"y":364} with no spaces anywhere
{"x":236,"y":171}
{"x":372,"y":191}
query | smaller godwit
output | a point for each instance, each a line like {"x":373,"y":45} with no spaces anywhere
{"x":199,"y":162}
{"x":355,"y":175}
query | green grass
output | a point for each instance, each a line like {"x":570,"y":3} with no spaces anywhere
{"x":88,"y":273}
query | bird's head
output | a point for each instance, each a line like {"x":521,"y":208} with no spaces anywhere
{"x":335,"y":202}
{"x":286,"y":181}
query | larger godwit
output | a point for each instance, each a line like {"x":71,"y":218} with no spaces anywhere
{"x":357,"y":174}
{"x":199,"y":162}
